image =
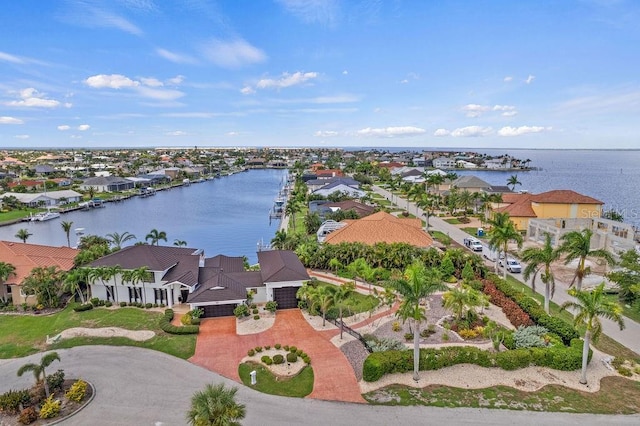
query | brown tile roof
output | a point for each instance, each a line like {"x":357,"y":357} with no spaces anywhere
{"x":156,"y":258}
{"x":281,"y":265}
{"x":360,"y":208}
{"x":216,"y":286}
{"x":564,"y":196}
{"x":382,"y":227}
{"x":25,"y":257}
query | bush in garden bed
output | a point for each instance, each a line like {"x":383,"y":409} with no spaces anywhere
{"x":166,"y":326}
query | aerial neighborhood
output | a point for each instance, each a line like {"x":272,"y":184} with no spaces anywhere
{"x":385,"y":266}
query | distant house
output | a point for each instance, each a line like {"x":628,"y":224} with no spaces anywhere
{"x":337,"y":187}
{"x":381,"y":227}
{"x":25,"y":257}
{"x":319,"y":183}
{"x":471,"y":183}
{"x":217,"y":285}
{"x":51,"y":198}
{"x":44,"y":169}
{"x":444,"y":163}
{"x":107,"y":184}
{"x":497,"y":163}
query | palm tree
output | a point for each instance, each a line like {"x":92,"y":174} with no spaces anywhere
{"x":513,"y":181}
{"x":462,"y":299}
{"x":6,"y":270}
{"x":135,"y":276}
{"x":536,"y":259}
{"x":39,"y":369}
{"x":416,"y":284}
{"x":577,"y":245}
{"x":322,"y":299}
{"x":73,"y":279}
{"x":502,"y":231}
{"x":155,"y":236}
{"x":465,"y":201}
{"x":180,"y":243}
{"x":290,"y":210}
{"x":338,"y":296}
{"x":23,"y":234}
{"x":216,"y":406}
{"x":66,"y":227}
{"x":279,"y":240}
{"x":589,"y":307}
{"x":118,"y":239}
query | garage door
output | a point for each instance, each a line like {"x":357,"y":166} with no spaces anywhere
{"x":212,"y":311}
{"x":286,"y":297}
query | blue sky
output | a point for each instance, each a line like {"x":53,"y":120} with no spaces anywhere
{"x":146,"y":73}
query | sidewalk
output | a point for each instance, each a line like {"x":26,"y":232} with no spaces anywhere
{"x":629,"y":337}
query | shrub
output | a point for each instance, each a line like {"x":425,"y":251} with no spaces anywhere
{"x":123,"y":304}
{"x":385,"y":344}
{"x":258,"y":348}
{"x":292,"y":357}
{"x":264,"y":358}
{"x":529,"y":337}
{"x":271,"y":306}
{"x":83,"y":307}
{"x":277,"y":346}
{"x":445,"y":337}
{"x":251,"y":352}
{"x":268,"y":361}
{"x":256,"y":317}
{"x":166,"y":326}
{"x":241,"y":311}
{"x":267,"y":347}
{"x":108,"y":304}
{"x":278,"y":359}
{"x":292,"y":349}
{"x":28,"y":416}
{"x":395,"y":326}
{"x":95,"y":301}
{"x":50,"y":408}
{"x":253,"y":306}
{"x":254,"y":311}
{"x":10,"y":401}
{"x":186,"y":319}
{"x":286,"y":348}
{"x":155,"y":305}
{"x":77,"y":391}
{"x":467,"y":334}
{"x":299,"y":352}
{"x":625,"y":371}
{"x":55,"y":380}
{"x":148,"y":305}
{"x":514,"y":313}
{"x":306,"y":359}
{"x":408,"y":337}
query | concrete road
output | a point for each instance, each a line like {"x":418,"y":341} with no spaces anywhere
{"x":143,"y":387}
{"x":629,"y":337}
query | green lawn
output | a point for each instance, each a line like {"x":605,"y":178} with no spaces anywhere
{"x":440,"y":236}
{"x":13,"y":215}
{"x":299,"y":386}
{"x":553,"y":398}
{"x":22,"y":335}
{"x":453,"y":221}
{"x":357,"y":302}
{"x":627,"y":311}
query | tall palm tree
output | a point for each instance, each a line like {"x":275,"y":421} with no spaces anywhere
{"x":290,"y":210}
{"x":541,"y":258}
{"x":118,"y":239}
{"x":6,"y":270}
{"x":322,"y":299}
{"x":416,"y":284}
{"x":589,"y":307}
{"x":513,"y":181}
{"x":135,"y":276}
{"x":502,"y":231}
{"x":279,"y":239}
{"x":577,"y":245}
{"x":23,"y":234}
{"x":39,"y":369}
{"x":339,"y":295}
{"x":180,"y":243}
{"x":155,"y":236}
{"x":66,"y":227}
{"x":73,"y":279}
{"x":216,"y":406}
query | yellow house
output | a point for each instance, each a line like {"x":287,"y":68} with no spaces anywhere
{"x":557,"y":204}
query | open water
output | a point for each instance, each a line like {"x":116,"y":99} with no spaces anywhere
{"x":229,"y":216}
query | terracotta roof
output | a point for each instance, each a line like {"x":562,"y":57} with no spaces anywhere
{"x":564,"y":196}
{"x":281,"y":265}
{"x":25,"y":257}
{"x":521,"y":208}
{"x":382,"y":227}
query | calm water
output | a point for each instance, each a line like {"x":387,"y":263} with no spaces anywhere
{"x":222,"y":216}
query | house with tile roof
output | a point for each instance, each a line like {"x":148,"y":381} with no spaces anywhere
{"x":471,"y":183}
{"x":381,"y":227}
{"x":217,"y":285}
{"x":25,"y":257}
{"x":341,"y":188}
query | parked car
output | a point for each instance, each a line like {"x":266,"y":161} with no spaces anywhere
{"x":513,"y":265}
{"x":473,"y":244}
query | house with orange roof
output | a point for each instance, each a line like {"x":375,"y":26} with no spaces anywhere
{"x":381,"y":227}
{"x":25,"y":257}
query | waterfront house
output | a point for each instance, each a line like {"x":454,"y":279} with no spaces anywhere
{"x":107,"y":184}
{"x":217,"y":285}
{"x":25,"y":257}
{"x":51,"y":198}
{"x":315,"y":184}
{"x":381,"y":227}
{"x":444,"y":163}
{"x":341,"y":188}
{"x":471,"y":183}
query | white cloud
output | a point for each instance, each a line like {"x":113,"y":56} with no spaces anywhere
{"x":159,"y":94}
{"x":112,"y":81}
{"x":232,"y":134}
{"x":390,"y":132}
{"x":177,"y":58}
{"x":232,"y":54}
{"x":522,"y":130}
{"x":471,"y":132}
{"x":30,"y":97}
{"x":338,"y":99}
{"x":151,"y":82}
{"x":92,"y":15}
{"x":325,"y":134}
{"x":507,"y":79}
{"x":509,"y":113}
{"x":177,"y":80}
{"x":312,"y":11}
{"x":247,"y":90}
{"x":6,"y":57}
{"x":84,"y":127}
{"x":441,"y":132}
{"x":530,"y":79}
{"x":63,"y":127}
{"x":475,"y":110}
{"x":345,"y":72}
{"x":176,"y":133}
{"x":10,"y":120}
{"x":287,"y":80}
{"x":22,"y":136}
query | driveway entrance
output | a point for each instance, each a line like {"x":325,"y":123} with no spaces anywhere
{"x":219,"y":349}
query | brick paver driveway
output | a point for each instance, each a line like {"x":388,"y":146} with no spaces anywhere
{"x":219,"y":349}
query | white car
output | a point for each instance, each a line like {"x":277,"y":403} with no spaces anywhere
{"x":513,"y":265}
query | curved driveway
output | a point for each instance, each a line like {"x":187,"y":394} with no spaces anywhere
{"x":144,"y":387}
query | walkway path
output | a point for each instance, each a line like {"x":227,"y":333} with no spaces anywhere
{"x":219,"y":349}
{"x":629,"y":337}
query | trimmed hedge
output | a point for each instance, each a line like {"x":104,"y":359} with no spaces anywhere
{"x":84,"y":307}
{"x":166,"y":326}
{"x":378,"y":364}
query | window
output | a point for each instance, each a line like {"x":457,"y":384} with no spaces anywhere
{"x":160,"y":295}
{"x":110,"y":293}
{"x":135,"y":294}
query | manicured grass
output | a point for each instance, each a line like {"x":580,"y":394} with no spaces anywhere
{"x":357,"y":302}
{"x":13,"y":215}
{"x":453,"y":221}
{"x":266,"y":382}
{"x":22,"y":335}
{"x":616,"y":396}
{"x":474,"y":232}
{"x":440,"y":236}
{"x":627,"y":311}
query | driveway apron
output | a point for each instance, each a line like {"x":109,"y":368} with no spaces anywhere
{"x":220,"y":349}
